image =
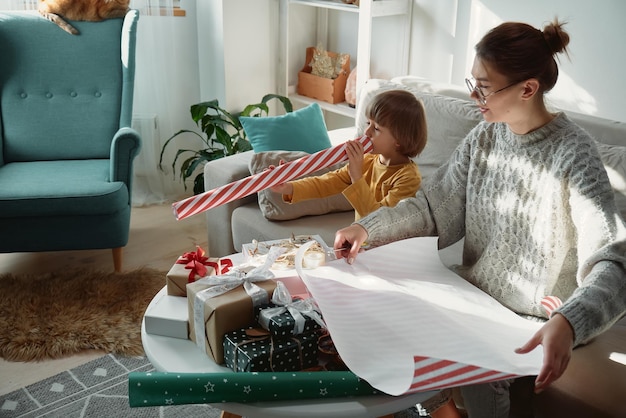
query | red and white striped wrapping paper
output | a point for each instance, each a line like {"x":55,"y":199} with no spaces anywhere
{"x":405,"y":323}
{"x":261,"y":181}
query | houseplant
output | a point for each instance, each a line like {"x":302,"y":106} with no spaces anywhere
{"x":221,"y":134}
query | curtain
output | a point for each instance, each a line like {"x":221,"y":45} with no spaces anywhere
{"x":166,"y":84}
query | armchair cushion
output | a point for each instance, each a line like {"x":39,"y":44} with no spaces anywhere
{"x":272,"y":205}
{"x":301,"y":130}
{"x":53,"y":188}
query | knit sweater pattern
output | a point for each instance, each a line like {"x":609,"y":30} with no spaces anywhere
{"x":538,"y":216}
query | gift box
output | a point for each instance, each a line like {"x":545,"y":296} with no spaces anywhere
{"x":321,"y":88}
{"x":169,"y":317}
{"x":288,"y":316}
{"x":193,"y":266}
{"x":221,"y":304}
{"x":255,"y":253}
{"x":254,"y":350}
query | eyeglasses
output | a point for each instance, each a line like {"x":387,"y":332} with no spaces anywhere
{"x":482,"y":97}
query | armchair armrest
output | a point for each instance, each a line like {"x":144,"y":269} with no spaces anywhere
{"x":218,"y":173}
{"x":124,"y":148}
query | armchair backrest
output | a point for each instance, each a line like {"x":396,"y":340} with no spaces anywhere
{"x":64,"y":96}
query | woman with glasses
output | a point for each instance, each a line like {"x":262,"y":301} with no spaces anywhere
{"x":527,"y":191}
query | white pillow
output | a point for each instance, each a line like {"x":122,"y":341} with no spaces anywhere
{"x":443,"y":136}
{"x":272,"y":205}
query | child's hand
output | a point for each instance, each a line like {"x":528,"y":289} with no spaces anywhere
{"x":284,"y":188}
{"x":354,"y":150}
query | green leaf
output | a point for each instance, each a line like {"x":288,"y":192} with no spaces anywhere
{"x":284,"y":100}
{"x":248,"y":110}
{"x":198,"y":184}
{"x":170,"y":139}
{"x":223,"y":135}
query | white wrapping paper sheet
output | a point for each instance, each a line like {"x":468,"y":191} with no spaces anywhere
{"x":405,"y":323}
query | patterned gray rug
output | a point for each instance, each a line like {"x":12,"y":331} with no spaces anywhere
{"x":98,"y":388}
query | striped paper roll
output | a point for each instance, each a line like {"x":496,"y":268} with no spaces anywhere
{"x":261,"y":181}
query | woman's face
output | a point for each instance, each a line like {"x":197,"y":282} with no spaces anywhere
{"x":502,"y":97}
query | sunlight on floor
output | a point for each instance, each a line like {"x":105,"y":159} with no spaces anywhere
{"x":618,"y":358}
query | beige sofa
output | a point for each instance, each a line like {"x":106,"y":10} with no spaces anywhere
{"x":450,"y":115}
{"x":595,"y":383}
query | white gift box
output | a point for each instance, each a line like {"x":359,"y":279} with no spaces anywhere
{"x":169,"y":317}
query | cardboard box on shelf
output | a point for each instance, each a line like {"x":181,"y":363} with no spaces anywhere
{"x":320,"y":88}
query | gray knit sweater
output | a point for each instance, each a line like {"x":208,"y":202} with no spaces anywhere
{"x":539,"y":219}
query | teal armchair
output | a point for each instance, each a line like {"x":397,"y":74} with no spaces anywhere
{"x":66,"y":146}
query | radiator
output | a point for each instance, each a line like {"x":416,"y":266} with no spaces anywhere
{"x":146,"y":163}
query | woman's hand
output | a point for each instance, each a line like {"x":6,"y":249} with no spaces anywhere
{"x":348,"y":242}
{"x":557,"y":338}
{"x":354,"y":151}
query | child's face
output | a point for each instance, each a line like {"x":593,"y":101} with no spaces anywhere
{"x":382,"y":141}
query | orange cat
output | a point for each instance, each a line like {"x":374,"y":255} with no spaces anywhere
{"x":91,"y":10}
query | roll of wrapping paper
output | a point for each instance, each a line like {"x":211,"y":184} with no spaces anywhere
{"x":161,"y":388}
{"x":263,"y":180}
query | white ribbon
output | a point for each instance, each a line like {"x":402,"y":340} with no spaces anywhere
{"x":298,"y":309}
{"x":229,"y":281}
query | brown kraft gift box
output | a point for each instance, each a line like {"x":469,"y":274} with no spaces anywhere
{"x":177,"y":278}
{"x":224,"y":313}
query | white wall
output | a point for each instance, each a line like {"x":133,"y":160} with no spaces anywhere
{"x":445,"y":32}
{"x":237,"y":43}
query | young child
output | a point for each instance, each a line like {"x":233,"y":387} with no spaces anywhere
{"x":397,"y":129}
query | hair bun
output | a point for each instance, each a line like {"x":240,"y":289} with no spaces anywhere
{"x":556,"y":37}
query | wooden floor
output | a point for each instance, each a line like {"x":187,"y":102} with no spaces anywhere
{"x":156,"y":240}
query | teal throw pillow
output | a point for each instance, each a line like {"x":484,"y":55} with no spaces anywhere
{"x":300,"y":130}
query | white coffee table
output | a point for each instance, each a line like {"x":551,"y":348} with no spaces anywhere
{"x":177,"y":355}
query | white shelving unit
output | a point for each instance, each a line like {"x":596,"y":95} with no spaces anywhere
{"x":367,"y":11}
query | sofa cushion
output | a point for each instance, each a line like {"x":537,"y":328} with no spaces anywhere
{"x":272,"y":205}
{"x":301,"y":130}
{"x":248,"y":223}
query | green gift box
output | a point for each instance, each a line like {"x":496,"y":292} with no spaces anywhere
{"x":255,"y":350}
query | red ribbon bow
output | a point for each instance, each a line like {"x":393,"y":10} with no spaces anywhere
{"x":196,"y":262}
{"x":222,"y":266}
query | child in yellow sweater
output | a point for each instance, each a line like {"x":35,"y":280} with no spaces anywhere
{"x":397,"y":129}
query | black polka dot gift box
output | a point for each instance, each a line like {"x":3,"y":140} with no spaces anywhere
{"x":289,"y":316}
{"x":256,"y":350}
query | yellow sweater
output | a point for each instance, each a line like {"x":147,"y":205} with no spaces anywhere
{"x":380,"y":185}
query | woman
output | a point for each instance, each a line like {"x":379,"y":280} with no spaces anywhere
{"x":528,"y":192}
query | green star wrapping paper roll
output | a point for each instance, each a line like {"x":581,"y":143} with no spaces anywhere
{"x":160,"y":388}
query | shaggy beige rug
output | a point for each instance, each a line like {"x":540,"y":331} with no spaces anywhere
{"x":59,"y":314}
